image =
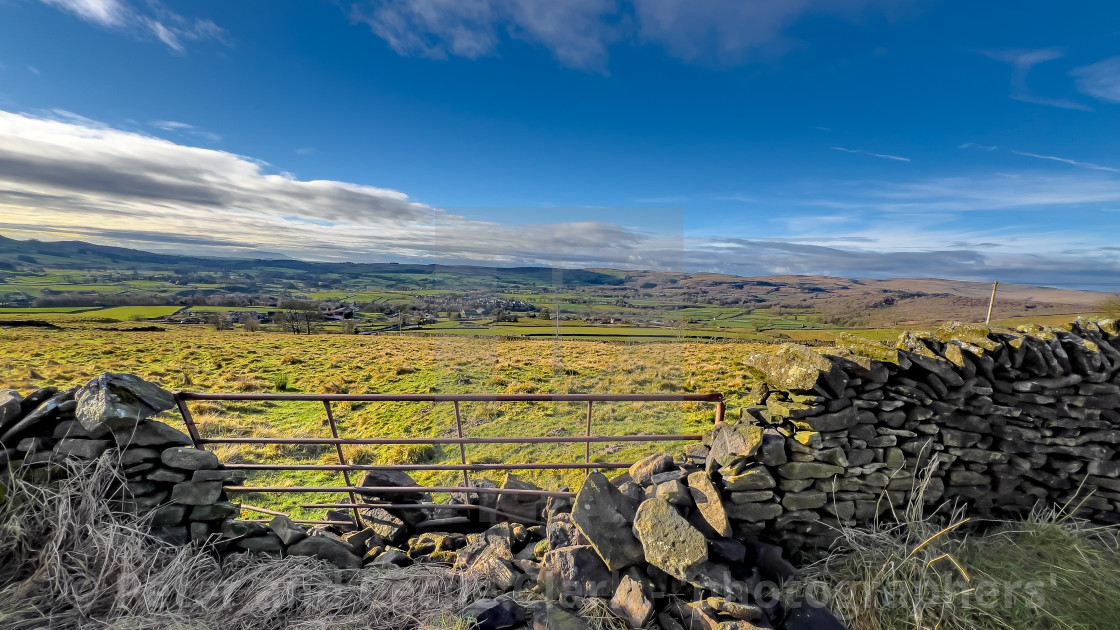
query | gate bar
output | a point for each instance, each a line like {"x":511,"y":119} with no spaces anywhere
{"x":342,"y":462}
{"x":463,"y":467}
{"x":398,"y":489}
{"x":490,"y":440}
{"x":714,"y":398}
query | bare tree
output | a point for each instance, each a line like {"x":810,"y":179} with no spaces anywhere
{"x":220,"y":321}
{"x":250,"y":322}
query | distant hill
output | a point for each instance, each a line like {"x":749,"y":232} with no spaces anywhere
{"x":846,"y":301}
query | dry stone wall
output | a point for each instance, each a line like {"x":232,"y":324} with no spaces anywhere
{"x":1001,"y":420}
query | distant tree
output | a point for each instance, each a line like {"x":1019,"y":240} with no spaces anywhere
{"x":250,"y":322}
{"x":220,"y":321}
{"x":348,"y":327}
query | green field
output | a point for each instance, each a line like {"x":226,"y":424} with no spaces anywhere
{"x":134,"y":312}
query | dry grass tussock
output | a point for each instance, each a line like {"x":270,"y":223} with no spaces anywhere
{"x":68,"y":561}
{"x":1049,"y":571}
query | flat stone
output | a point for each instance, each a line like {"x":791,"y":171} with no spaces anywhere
{"x":797,"y":367}
{"x":642,"y":470}
{"x":164,"y":475}
{"x":494,"y":614}
{"x":757,"y":478}
{"x":196,"y":492}
{"x":807,"y":500}
{"x":334,"y":551}
{"x":669,"y":541}
{"x":574,"y":572}
{"x":215,"y":512}
{"x":42,"y":420}
{"x":709,"y":502}
{"x":604,"y":517}
{"x":289,"y":532}
{"x":189,"y":458}
{"x":242,"y":529}
{"x":137,"y":455}
{"x":168,"y":515}
{"x":268,"y":543}
{"x":150,"y":433}
{"x":81,"y":448}
{"x":754,"y":512}
{"x":808,"y":470}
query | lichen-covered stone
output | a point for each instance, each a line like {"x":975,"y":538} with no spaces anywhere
{"x":119,"y":401}
{"x":670,"y":543}
{"x":604,"y":517}
{"x":709,"y":503}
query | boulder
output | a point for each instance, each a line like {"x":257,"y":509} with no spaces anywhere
{"x":604,"y":516}
{"x":334,"y":551}
{"x":670,"y":543}
{"x":189,"y":458}
{"x":709,"y":502}
{"x":119,"y":402}
{"x":574,"y":572}
{"x":494,"y":614}
{"x":799,"y":368}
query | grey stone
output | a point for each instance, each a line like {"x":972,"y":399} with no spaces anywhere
{"x":196,"y":492}
{"x":753,"y":496}
{"x":494,"y":614}
{"x":215,"y":512}
{"x":757,"y":478}
{"x":242,"y":529}
{"x":632,"y":600}
{"x":288,"y":531}
{"x":119,"y":401}
{"x":808,"y":470}
{"x":389,"y":527}
{"x":604,"y":516}
{"x":733,"y":442}
{"x":164,"y":475}
{"x":644,"y":469}
{"x":562,"y":532}
{"x":168,"y":515}
{"x":189,"y":458}
{"x":709,"y":502}
{"x":176,"y":535}
{"x":839,"y":421}
{"x":150,"y":433}
{"x":42,"y":420}
{"x":548,"y":616}
{"x":520,"y":507}
{"x":268,"y":543}
{"x":82,"y":449}
{"x":334,"y":551}
{"x":574,"y":572}
{"x":753,"y":512}
{"x":670,"y":543}
{"x":10,"y":408}
{"x":807,"y":500}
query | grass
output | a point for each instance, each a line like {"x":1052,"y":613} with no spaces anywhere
{"x":68,"y":562}
{"x":125,"y":313}
{"x":1049,"y":571}
{"x":199,"y":358}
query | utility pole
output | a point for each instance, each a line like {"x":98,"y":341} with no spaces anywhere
{"x":991,"y":303}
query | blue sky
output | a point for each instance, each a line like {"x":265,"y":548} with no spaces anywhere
{"x":844,"y":137}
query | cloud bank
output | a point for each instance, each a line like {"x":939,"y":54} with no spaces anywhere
{"x":63,"y":176}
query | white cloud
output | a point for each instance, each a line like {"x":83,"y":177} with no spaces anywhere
{"x":1022,"y":60}
{"x":982,"y":147}
{"x":101,"y":12}
{"x":1100,"y":80}
{"x":884,"y":156}
{"x":65,"y":176}
{"x":153,"y":20}
{"x":578,"y":32}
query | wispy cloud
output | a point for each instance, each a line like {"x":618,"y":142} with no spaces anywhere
{"x":884,"y":156}
{"x":982,"y":147}
{"x":185,"y":129}
{"x":1054,"y":158}
{"x":1100,"y":80}
{"x":153,"y":20}
{"x":579,"y":32}
{"x":1022,"y":60}
{"x":33,"y":70}
{"x":305,"y":151}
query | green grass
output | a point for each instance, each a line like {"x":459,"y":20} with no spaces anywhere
{"x":130,"y":312}
{"x":52,"y":309}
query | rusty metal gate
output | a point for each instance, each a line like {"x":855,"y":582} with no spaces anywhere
{"x":345,"y":468}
